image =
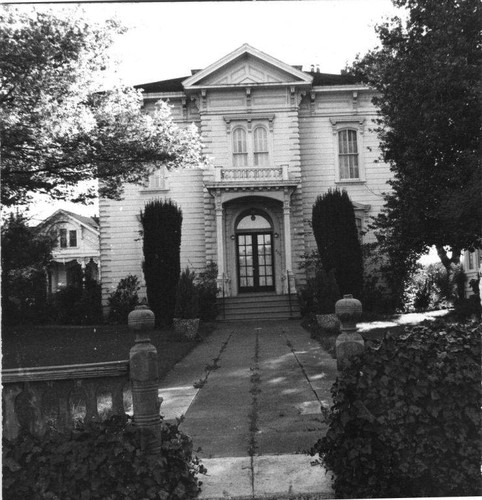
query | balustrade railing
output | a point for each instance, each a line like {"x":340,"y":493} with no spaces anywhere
{"x":247,"y":174}
{"x":36,"y":398}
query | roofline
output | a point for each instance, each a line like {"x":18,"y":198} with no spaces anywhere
{"x":246,"y":49}
{"x":70,"y":216}
{"x":337,"y":88}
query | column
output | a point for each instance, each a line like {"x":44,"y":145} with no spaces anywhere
{"x":287,"y":234}
{"x":220,"y":244}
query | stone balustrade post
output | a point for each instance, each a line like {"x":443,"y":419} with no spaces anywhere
{"x":144,"y":376}
{"x":349,"y":343}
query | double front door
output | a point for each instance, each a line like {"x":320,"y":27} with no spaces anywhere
{"x":255,"y":261}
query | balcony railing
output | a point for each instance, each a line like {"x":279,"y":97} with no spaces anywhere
{"x":251,"y":174}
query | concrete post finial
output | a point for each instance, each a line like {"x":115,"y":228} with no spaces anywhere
{"x":144,"y":375}
{"x":349,"y":343}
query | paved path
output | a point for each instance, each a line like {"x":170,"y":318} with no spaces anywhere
{"x":252,"y":395}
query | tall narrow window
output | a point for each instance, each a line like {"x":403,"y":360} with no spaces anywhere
{"x":63,"y":238}
{"x":348,"y":154}
{"x":359,"y":227}
{"x":157,"y":180}
{"x":240,"y":152}
{"x":471,"y":260}
{"x":260,"y":138}
{"x":72,"y":238}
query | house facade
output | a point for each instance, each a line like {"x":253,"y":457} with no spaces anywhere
{"x":75,"y":257}
{"x":277,"y":137}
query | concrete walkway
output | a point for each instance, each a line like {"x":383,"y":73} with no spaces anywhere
{"x":253,"y":396}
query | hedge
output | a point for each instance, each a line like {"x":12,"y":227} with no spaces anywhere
{"x":100,"y":461}
{"x":406,"y":417}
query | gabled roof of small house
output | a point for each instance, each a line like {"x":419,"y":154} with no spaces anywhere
{"x":90,"y":222}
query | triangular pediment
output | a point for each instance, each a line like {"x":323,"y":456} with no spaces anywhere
{"x":247,"y":66}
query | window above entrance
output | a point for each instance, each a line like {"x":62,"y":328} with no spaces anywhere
{"x":250,"y":139}
{"x":253,"y":222}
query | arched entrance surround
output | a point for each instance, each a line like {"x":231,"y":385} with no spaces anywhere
{"x":254,"y":247}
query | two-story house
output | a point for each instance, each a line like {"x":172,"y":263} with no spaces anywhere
{"x":75,"y":257}
{"x":277,"y":138}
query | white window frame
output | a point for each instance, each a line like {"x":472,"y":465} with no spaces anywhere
{"x":240,"y":154}
{"x":357,"y":125}
{"x":249,"y":123}
{"x":158,"y":180}
{"x":262,"y":153}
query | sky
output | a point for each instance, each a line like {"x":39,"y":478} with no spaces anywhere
{"x":166,"y":40}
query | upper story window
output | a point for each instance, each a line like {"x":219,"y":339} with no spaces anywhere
{"x":67,"y":238}
{"x":158,"y":180}
{"x":260,"y":147}
{"x":240,"y":150}
{"x":348,"y":154}
{"x":348,"y":132}
{"x":250,"y":140}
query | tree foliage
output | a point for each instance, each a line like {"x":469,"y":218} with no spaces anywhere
{"x":161,"y":224}
{"x":59,"y":125}
{"x":25,"y":257}
{"x":427,"y":74}
{"x":336,"y":235}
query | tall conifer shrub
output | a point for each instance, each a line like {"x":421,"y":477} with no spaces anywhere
{"x":336,"y":235}
{"x":161,"y":223}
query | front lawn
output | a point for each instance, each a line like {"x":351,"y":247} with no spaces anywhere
{"x":30,"y":346}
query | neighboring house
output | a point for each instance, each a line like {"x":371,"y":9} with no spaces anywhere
{"x":75,"y":257}
{"x":472,"y":266}
{"x":277,"y":138}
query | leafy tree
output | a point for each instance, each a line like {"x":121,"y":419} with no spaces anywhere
{"x":25,"y":256}
{"x":336,"y":235}
{"x":161,"y":223}
{"x":427,"y":72}
{"x":59,"y":125}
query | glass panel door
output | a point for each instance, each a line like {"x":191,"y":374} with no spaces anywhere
{"x":255,"y":262}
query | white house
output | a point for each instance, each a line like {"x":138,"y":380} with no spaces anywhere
{"x":278,"y":137}
{"x":75,"y":257}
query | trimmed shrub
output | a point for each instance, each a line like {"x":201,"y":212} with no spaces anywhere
{"x":100,"y":461}
{"x":336,"y":235}
{"x":207,"y":286}
{"x":161,"y":223}
{"x":406,"y":417}
{"x":321,"y":292}
{"x":124,"y":299}
{"x":187,"y":296}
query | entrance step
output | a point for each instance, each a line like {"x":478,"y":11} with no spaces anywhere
{"x":258,"y":306}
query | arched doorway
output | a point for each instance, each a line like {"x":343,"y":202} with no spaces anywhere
{"x":254,"y":252}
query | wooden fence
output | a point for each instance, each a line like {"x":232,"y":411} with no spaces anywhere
{"x":36,"y":398}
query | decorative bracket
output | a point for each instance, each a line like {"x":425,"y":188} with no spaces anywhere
{"x":312,"y":101}
{"x":248,"y":97}
{"x":355,"y":100}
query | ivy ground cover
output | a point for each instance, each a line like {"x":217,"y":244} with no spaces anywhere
{"x":406,"y":417}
